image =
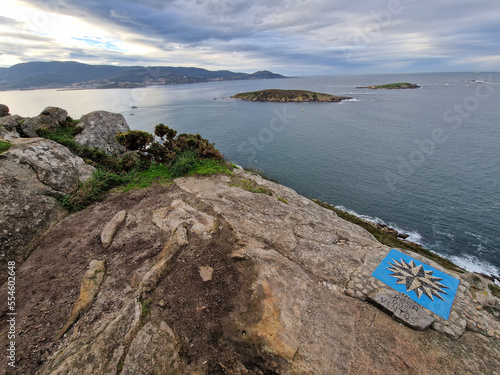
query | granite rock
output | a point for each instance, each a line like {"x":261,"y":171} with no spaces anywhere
{"x":100,"y":129}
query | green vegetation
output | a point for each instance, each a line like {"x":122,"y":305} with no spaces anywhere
{"x":283,"y":200}
{"x":495,"y":290}
{"x":274,"y":95}
{"x":163,"y":174}
{"x":393,"y":86}
{"x":92,"y":190}
{"x":146,"y":310}
{"x":148,"y":162}
{"x":4,"y":146}
{"x":390,"y":239}
{"x":251,"y":186}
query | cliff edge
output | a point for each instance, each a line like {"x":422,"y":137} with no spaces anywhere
{"x":230,"y":274}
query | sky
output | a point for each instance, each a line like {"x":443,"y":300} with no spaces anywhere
{"x":291,"y":37}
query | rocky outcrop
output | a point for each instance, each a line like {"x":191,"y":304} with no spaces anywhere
{"x":205,"y":277}
{"x":392,"y":86}
{"x":50,"y":119}
{"x":33,"y":172}
{"x":8,"y":127}
{"x":276,"y":95}
{"x":4,"y":110}
{"x":92,"y":280}
{"x":100,"y":129}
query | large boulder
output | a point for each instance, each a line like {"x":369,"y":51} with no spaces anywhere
{"x":33,"y":172}
{"x":100,"y":129}
{"x":50,"y":118}
{"x":8,"y":126}
{"x":4,"y":110}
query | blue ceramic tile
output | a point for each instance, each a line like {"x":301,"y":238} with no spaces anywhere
{"x":427,"y":286}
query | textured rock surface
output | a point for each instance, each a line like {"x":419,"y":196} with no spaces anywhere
{"x":32,"y":173}
{"x":54,"y":164}
{"x":8,"y":127}
{"x":402,"y":308}
{"x":92,"y":280}
{"x":4,"y":110}
{"x":50,"y":118}
{"x":109,"y":231}
{"x":287,"y":294}
{"x":99,"y":130}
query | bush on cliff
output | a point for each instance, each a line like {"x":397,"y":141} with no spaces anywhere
{"x":148,"y":161}
{"x":171,"y":146}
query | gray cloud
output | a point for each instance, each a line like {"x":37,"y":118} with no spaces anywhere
{"x":321,"y":33}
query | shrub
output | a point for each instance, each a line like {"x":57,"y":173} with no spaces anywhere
{"x":135,"y":140}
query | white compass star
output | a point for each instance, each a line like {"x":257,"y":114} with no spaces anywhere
{"x":416,"y":279}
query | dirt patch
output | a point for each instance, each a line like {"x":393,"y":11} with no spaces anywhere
{"x":196,"y":309}
{"x":48,"y":282}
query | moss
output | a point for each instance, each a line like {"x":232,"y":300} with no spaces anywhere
{"x":495,"y":290}
{"x":4,"y":146}
{"x":145,"y":310}
{"x":390,"y":239}
{"x":251,"y":186}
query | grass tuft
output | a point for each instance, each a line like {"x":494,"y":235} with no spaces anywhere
{"x":252,"y":187}
{"x":155,"y":174}
{"x":92,"y":190}
{"x":4,"y":146}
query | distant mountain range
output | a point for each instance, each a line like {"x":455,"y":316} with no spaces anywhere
{"x":70,"y":74}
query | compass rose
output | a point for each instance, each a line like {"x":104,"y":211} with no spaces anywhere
{"x":417,"y":279}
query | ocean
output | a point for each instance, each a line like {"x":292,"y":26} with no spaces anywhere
{"x":424,"y":161}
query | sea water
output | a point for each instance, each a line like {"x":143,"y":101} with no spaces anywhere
{"x":424,"y":161}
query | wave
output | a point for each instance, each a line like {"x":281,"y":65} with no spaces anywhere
{"x":413,"y":236}
{"x":467,"y":262}
{"x":473,"y":264}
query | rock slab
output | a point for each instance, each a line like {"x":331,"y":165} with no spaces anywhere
{"x":402,"y":308}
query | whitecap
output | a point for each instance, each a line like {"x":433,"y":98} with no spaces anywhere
{"x":473,"y":264}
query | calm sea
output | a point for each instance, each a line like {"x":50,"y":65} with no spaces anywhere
{"x":424,"y":161}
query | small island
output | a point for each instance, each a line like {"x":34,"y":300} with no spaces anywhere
{"x":276,"y":95}
{"x":392,"y":86}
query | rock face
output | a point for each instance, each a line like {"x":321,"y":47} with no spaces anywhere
{"x":99,"y":130}
{"x":286,"y":293}
{"x":4,"y":110}
{"x":8,"y":126}
{"x":50,"y":119}
{"x":402,"y":308}
{"x":32,"y":173}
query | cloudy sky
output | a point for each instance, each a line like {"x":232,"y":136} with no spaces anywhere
{"x":292,"y":37}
